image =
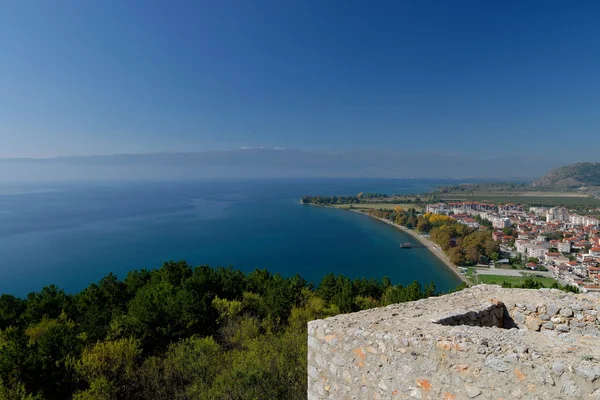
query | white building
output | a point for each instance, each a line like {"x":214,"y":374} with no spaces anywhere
{"x":522,"y":245}
{"x":564,"y":246}
{"x":509,"y":207}
{"x":557,"y":214}
{"x":439,"y":208}
{"x":591,"y":221}
{"x":538,"y":210}
{"x":499,"y":222}
{"x":576,"y":219}
{"x":536,"y":251}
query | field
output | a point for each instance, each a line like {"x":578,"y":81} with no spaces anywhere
{"x":551,"y":194}
{"x":541,"y":198}
{"x":516,"y":194}
{"x":385,"y":206}
{"x":514,"y":280}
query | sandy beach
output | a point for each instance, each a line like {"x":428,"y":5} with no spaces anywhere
{"x":434,"y":248}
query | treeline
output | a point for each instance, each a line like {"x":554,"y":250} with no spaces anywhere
{"x":175,"y":333}
{"x":483,"y":187}
{"x":463,"y":245}
{"x":361,"y":198}
{"x":398,"y":215}
{"x":326,"y":200}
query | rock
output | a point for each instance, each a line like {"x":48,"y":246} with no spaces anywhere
{"x":570,"y":388}
{"x":521,"y":349}
{"x":472,"y":391}
{"x":543,"y":376}
{"x":544,"y":317}
{"x":566,"y":312}
{"x":591,"y":331}
{"x":590,"y":318}
{"x":511,"y":358}
{"x":519,"y":317}
{"x":531,"y":307}
{"x":558,"y":368}
{"x":562,"y":328}
{"x":313,"y":372}
{"x":552,"y":309}
{"x":548,"y":325}
{"x":588,"y":371}
{"x":533,"y":323}
{"x":495,"y":363}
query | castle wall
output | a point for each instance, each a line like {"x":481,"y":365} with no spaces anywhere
{"x":484,"y":342}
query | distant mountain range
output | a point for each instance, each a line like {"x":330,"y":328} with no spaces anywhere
{"x":573,"y":176}
{"x":262,"y":163}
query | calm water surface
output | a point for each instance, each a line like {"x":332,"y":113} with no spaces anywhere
{"x":74,"y":234}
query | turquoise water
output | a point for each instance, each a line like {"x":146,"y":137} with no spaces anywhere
{"x":74,"y":234}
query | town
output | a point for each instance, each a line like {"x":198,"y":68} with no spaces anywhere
{"x":552,"y":239}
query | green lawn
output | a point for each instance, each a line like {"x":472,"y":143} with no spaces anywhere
{"x":471,"y":276}
{"x":514,"y":280}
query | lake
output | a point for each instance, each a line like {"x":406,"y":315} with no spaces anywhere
{"x":74,"y":234}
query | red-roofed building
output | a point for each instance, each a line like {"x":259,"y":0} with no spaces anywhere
{"x":532,"y":265}
{"x":497,"y":236}
{"x":594,"y":274}
{"x":506,"y":239}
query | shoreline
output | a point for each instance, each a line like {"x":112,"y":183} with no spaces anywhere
{"x":430,"y":245}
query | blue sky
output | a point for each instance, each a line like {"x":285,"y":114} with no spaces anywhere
{"x":485,"y":78}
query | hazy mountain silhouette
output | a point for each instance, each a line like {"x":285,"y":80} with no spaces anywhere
{"x":262,"y":163}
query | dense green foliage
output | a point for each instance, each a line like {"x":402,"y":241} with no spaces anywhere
{"x":361,"y":198}
{"x":330,"y":200}
{"x":175,"y":333}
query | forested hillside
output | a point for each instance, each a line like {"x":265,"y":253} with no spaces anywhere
{"x":175,"y":333}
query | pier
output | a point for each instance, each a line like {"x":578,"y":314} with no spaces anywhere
{"x":408,"y":245}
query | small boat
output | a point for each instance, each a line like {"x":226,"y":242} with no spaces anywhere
{"x":405,"y":245}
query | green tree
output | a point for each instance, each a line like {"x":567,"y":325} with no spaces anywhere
{"x":52,"y":343}
{"x":187,"y":370}
{"x":272,"y":367}
{"x":15,"y":391}
{"x":11,"y":308}
{"x":109,"y":367}
{"x":455,"y":255}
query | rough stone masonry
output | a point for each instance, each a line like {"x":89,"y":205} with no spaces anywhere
{"x":484,"y":342}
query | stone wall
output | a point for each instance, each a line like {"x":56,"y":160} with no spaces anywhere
{"x":484,"y":342}
{"x":560,"y":316}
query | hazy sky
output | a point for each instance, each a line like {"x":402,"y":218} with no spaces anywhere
{"x":474,"y":78}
